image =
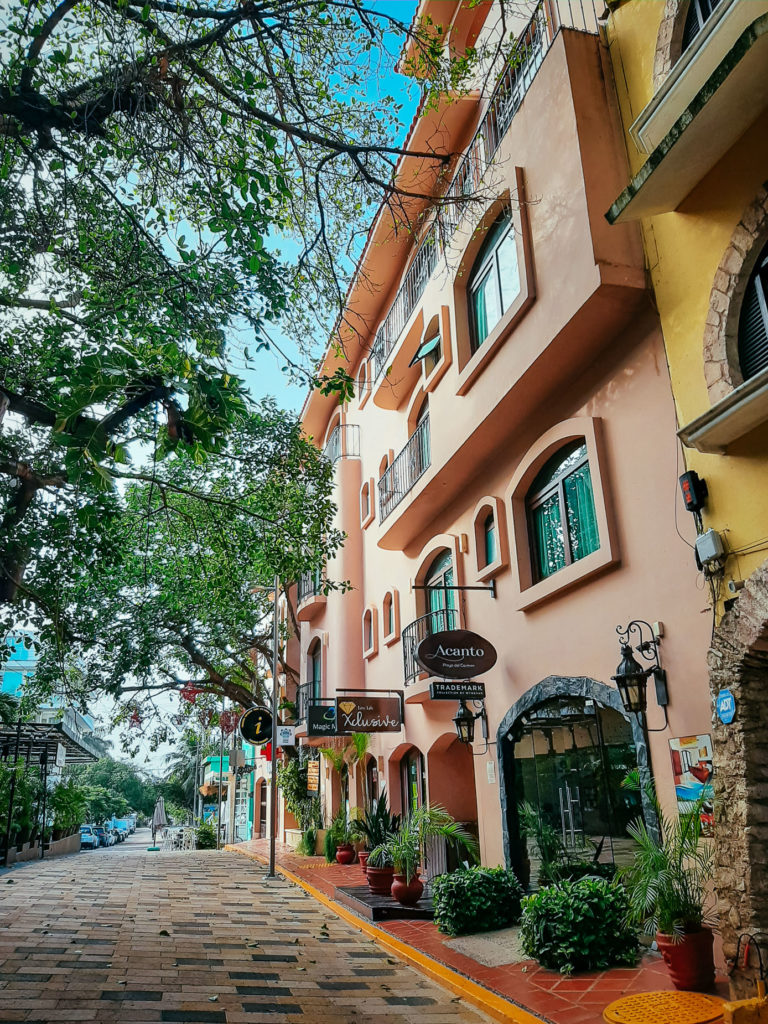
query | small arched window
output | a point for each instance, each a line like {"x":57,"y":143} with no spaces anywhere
{"x":389,"y":616}
{"x":440,"y":595}
{"x":494,"y":283}
{"x":365,"y":502}
{"x":561,"y":511}
{"x":316,"y":670}
{"x":362,"y":381}
{"x":490,"y":546}
{"x":753,"y":321}
{"x":699,"y":12}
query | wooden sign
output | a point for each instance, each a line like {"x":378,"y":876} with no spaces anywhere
{"x":456,"y":654}
{"x":369,"y":714}
{"x":255,"y":725}
{"x":457,"y":690}
{"x":313,"y":776}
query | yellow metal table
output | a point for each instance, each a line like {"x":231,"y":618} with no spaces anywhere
{"x":665,"y":1008}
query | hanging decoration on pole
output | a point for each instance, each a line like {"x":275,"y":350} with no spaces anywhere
{"x":228,"y":721}
{"x":189,"y":692}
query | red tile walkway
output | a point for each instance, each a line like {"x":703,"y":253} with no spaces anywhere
{"x":551,"y":996}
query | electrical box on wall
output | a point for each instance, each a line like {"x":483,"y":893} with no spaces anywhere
{"x":694,"y":491}
{"x":710,"y":547}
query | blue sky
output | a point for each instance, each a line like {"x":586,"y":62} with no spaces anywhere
{"x":268,"y":379}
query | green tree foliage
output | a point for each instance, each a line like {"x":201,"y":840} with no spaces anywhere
{"x":112,"y":787}
{"x":68,"y":804}
{"x":153,"y":157}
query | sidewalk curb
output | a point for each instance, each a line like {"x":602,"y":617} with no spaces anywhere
{"x":484,"y":999}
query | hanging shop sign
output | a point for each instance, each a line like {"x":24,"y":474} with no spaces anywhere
{"x":321,"y":720}
{"x":255,"y":725}
{"x":459,"y":690}
{"x":286,"y":735}
{"x":725,"y":706}
{"x":456,"y":654}
{"x":313,"y":776}
{"x":369,"y":714}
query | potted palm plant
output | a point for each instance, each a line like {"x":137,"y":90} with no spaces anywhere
{"x":373,"y":827}
{"x":405,"y":849}
{"x":667,"y":886}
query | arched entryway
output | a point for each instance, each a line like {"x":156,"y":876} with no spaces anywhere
{"x":451,"y":784}
{"x":408,"y":778}
{"x":564,"y":748}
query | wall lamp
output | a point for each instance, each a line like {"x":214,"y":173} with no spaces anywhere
{"x":464,"y":720}
{"x":631,"y":678}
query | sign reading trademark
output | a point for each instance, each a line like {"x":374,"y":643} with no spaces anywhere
{"x":457,"y":690}
{"x":369,"y":714}
{"x":456,"y":654}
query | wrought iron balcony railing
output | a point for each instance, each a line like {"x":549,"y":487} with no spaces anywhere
{"x":344,"y":443}
{"x":412,"y":462}
{"x":524,"y":61}
{"x":310,"y":584}
{"x":304,"y":698}
{"x":414,"y":633}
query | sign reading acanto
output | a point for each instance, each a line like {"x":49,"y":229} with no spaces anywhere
{"x":456,"y":654}
{"x":369,"y":714}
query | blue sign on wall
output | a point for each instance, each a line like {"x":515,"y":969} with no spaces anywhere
{"x":725,"y":705}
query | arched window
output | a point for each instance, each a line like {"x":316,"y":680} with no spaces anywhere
{"x":365,"y":502}
{"x":495,"y":280}
{"x":389,"y":615}
{"x":753,"y":321}
{"x":490,"y":546}
{"x":561,"y":511}
{"x":316,"y":671}
{"x":441,"y":600}
{"x":362,"y":380}
{"x":413,"y":781}
{"x":699,"y":13}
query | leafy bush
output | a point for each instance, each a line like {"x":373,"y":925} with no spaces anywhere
{"x":476,"y":899}
{"x":206,"y":837}
{"x":572,"y":871}
{"x":306,"y":845}
{"x":292,"y":780}
{"x":579,"y":926}
{"x":329,"y":846}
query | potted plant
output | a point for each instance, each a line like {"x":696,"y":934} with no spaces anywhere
{"x":374,"y":826}
{"x":668,"y":892}
{"x":380,"y":871}
{"x":339,"y":839}
{"x":405,"y":846}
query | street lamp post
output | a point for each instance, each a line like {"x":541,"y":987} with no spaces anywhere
{"x":273,"y":758}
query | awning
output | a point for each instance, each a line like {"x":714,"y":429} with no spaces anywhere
{"x":35,"y":738}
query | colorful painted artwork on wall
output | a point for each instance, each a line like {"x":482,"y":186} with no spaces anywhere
{"x":693,"y":769}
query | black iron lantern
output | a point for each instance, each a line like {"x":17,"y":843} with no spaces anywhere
{"x":464,"y":721}
{"x":631,"y":679}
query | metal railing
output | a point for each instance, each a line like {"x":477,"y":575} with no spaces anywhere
{"x":414,"y":633}
{"x":310,"y":584}
{"x":524,"y":60}
{"x":304,"y":699}
{"x":344,"y":443}
{"x":410,"y":464}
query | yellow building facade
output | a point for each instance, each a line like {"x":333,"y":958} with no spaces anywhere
{"x":692,"y":86}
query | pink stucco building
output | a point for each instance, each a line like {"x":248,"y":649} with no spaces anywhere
{"x":513,"y":432}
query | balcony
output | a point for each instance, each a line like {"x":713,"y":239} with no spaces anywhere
{"x":304,"y":698}
{"x":524,"y":61}
{"x":344,"y":443}
{"x":414,"y":633}
{"x":310,"y":596}
{"x":412,"y":462}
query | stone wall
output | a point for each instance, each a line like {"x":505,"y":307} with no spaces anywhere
{"x":738,"y":661}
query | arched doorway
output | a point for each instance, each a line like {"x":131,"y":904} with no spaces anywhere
{"x":451,"y":784}
{"x":407,"y":766}
{"x":565,"y":748}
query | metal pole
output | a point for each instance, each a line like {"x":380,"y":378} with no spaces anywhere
{"x":12,"y":793}
{"x":275,"y":698}
{"x":221,"y":775}
{"x":44,"y":772}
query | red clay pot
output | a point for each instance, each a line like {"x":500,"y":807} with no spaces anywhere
{"x":407,"y":893}
{"x":689,"y":959}
{"x":362,"y":856}
{"x":380,"y":880}
{"x":345,"y":853}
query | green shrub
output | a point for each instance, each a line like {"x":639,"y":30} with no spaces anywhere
{"x":306,"y":845}
{"x":329,"y":846}
{"x":206,"y":837}
{"x":578,"y":926}
{"x":572,"y":871}
{"x":476,"y":899}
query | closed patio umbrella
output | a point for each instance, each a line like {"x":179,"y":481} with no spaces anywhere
{"x":159,"y":819}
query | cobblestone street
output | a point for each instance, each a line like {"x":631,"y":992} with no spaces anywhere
{"x":203,"y":937}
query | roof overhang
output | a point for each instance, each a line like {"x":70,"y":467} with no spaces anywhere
{"x":729,"y":419}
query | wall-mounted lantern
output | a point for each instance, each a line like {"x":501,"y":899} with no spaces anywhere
{"x":631,"y":678}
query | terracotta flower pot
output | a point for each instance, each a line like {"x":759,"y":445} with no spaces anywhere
{"x":345,"y":853}
{"x":690,"y":959}
{"x":407,"y":893}
{"x":363,"y":856}
{"x":380,"y":880}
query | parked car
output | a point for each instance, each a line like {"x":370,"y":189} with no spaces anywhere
{"x":88,"y":838}
{"x":105,"y":839}
{"x":119,"y":835}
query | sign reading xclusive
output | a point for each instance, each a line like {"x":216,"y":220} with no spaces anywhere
{"x":457,"y":690}
{"x":456,"y":654}
{"x":369,"y":714}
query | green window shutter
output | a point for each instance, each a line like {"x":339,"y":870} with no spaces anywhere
{"x":580,"y":506}
{"x":549,"y":547}
{"x":489,"y":530}
{"x":753,"y":329}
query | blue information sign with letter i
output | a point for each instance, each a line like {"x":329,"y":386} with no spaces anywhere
{"x":725,"y":706}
